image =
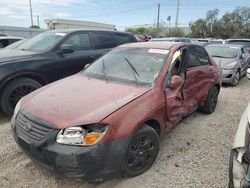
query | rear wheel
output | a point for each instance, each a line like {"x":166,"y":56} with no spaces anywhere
{"x":15,"y":91}
{"x":141,"y":152}
{"x":211,"y":101}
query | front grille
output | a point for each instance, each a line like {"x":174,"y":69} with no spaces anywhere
{"x":30,"y":129}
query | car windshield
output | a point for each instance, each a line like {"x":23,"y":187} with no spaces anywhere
{"x":240,"y":42}
{"x":42,"y":42}
{"x":223,"y":51}
{"x":138,"y":66}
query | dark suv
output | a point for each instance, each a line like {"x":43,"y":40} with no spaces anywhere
{"x":51,"y":56}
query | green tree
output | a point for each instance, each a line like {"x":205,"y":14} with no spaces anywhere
{"x":35,"y":27}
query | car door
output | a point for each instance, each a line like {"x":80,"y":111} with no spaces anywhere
{"x":175,"y":106}
{"x":103,"y":42}
{"x":70,"y":63}
{"x":198,"y":77}
{"x":244,"y":60}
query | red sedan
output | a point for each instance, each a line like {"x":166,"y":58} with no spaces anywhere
{"x":108,"y":119}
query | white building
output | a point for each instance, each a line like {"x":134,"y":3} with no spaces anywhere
{"x":54,"y":24}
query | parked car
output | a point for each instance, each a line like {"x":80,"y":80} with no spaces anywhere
{"x":239,"y":171}
{"x":14,"y":45}
{"x":233,"y":59}
{"x":5,"y":41}
{"x":244,"y":42}
{"x":50,"y":56}
{"x":216,"y":41}
{"x":108,"y":119}
{"x":171,"y":39}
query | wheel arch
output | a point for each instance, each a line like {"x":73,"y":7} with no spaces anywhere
{"x":154,"y":124}
{"x":32,"y":75}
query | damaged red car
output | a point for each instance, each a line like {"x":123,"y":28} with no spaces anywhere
{"x":107,"y":120}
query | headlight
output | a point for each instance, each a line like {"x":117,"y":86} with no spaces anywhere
{"x":17,"y":108}
{"x":230,"y":65}
{"x":85,"y":136}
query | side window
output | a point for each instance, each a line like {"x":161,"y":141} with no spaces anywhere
{"x":79,"y":42}
{"x":13,"y":40}
{"x":122,"y":38}
{"x":4,"y":43}
{"x":176,"y":66}
{"x":197,"y":56}
{"x":103,"y":40}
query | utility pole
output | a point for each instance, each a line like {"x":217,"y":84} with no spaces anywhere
{"x":37,"y":17}
{"x":158,"y":18}
{"x":31,"y":16}
{"x":177,"y":13}
{"x":169,"y":20}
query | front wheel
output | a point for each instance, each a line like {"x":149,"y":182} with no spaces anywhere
{"x":211,"y":101}
{"x":141,"y":152}
{"x":15,"y":91}
{"x":236,"y":79}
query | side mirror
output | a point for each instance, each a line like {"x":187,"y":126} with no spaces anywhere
{"x":175,"y":82}
{"x":86,"y":66}
{"x":66,"y":48}
{"x":248,"y":73}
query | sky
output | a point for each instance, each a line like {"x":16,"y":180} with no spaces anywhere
{"x":122,"y":13}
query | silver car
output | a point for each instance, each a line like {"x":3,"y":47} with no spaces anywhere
{"x":233,"y":59}
{"x":239,"y":162}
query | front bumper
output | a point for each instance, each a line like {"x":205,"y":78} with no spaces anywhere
{"x":228,"y":76}
{"x":91,"y":163}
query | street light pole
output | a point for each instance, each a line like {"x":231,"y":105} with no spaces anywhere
{"x":158,"y":19}
{"x":37,"y":17}
{"x":31,"y":16}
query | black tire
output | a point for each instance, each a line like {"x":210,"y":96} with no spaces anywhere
{"x":236,"y":79}
{"x":141,"y":152}
{"x":211,"y":101}
{"x":14,"y":91}
{"x":233,"y":154}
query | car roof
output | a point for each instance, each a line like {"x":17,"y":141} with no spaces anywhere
{"x":229,"y":45}
{"x":89,"y":30}
{"x":7,"y":37}
{"x":158,"y":45}
{"x":238,"y":40}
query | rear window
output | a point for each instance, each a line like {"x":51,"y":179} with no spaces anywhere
{"x":103,"y":41}
{"x":4,"y":43}
{"x":240,"y":42}
{"x":122,"y":38}
{"x":216,"y":42}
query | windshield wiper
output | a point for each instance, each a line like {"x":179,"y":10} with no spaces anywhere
{"x":133,"y":71}
{"x":104,"y":70}
{"x":219,"y":56}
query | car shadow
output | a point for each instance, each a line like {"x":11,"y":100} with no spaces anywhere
{"x":3,"y":118}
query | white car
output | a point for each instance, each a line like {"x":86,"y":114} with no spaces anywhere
{"x":6,"y":40}
{"x":239,"y":162}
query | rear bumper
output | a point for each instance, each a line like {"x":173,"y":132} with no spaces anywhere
{"x":228,"y":76}
{"x":94,"y":163}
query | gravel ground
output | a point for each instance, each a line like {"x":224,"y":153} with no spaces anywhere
{"x":194,"y":154}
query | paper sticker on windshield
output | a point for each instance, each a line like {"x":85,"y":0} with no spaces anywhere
{"x":158,"y":51}
{"x":234,"y":47}
{"x":61,"y":34}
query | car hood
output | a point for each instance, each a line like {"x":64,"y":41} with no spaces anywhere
{"x":225,"y":62}
{"x":79,"y":100}
{"x":13,"y":55}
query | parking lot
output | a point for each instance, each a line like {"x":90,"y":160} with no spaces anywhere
{"x":194,"y":154}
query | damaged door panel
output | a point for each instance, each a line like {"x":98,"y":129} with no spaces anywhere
{"x":175,"y":107}
{"x":198,"y":78}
